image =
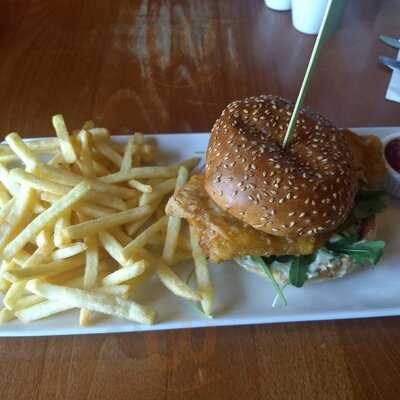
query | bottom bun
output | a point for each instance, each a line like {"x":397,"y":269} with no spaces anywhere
{"x":325,"y":270}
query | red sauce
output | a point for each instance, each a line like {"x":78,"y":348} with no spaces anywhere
{"x":392,"y":154}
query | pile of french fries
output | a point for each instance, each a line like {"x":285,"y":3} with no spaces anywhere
{"x":87,"y":228}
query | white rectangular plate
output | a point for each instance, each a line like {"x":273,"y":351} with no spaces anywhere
{"x":244,"y":298}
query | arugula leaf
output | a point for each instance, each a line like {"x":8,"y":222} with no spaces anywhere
{"x":360,"y":251}
{"x":368,"y":203}
{"x":299,"y":268}
{"x":265,"y":268}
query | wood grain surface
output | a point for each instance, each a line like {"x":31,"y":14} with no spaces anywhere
{"x":172,"y":66}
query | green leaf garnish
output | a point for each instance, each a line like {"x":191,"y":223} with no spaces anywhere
{"x":368,"y":203}
{"x":360,"y":251}
{"x":299,"y":268}
{"x":265,"y":268}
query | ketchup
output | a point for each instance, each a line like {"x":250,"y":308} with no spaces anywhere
{"x":392,"y":154}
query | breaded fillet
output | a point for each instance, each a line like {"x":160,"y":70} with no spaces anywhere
{"x":368,"y":158}
{"x":224,"y":237}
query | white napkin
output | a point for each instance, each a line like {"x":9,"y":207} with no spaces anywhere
{"x":393,"y":90}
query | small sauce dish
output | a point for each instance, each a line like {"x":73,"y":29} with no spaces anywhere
{"x":391,"y":149}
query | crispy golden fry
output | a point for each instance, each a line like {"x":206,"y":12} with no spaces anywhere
{"x":124,"y":274}
{"x":126,"y":163}
{"x":47,"y":217}
{"x":22,"y":150}
{"x":67,"y":149}
{"x":174,"y":223}
{"x":6,"y":315}
{"x":13,"y":295}
{"x":84,"y":207}
{"x":68,"y":251}
{"x":4,"y":196}
{"x":202,"y":275}
{"x":60,"y":239}
{"x":40,"y":184}
{"x":91,"y":273}
{"x":106,"y":222}
{"x":17,"y":216}
{"x":170,"y":279}
{"x":144,"y":237}
{"x":86,"y":159}
{"x":44,"y":270}
{"x":70,"y":179}
{"x":109,"y":153}
{"x":140,"y":186}
{"x":100,"y":302}
{"x":7,"y":181}
{"x":133,"y":227}
{"x":149,"y":172}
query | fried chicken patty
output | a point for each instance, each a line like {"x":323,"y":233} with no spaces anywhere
{"x":224,"y":237}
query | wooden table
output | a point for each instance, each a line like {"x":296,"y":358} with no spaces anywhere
{"x":171,"y":66}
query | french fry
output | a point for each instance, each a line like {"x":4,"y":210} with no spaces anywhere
{"x":18,"y":215}
{"x":133,"y":227}
{"x":148,"y":152}
{"x":22,"y":151}
{"x":138,"y":139}
{"x":144,"y":237}
{"x":6,"y":315}
{"x":60,"y":239}
{"x":13,"y":295}
{"x":56,"y":160}
{"x":106,"y":222}
{"x":4,"y":212}
{"x":176,"y":285}
{"x":159,"y":192}
{"x":67,"y":149}
{"x":113,"y":248}
{"x":28,"y":301}
{"x":149,"y":172}
{"x":41,"y":310}
{"x":47,"y":308}
{"x":126,"y":163}
{"x":86,"y":126}
{"x":120,"y":235}
{"x":99,"y":302}
{"x":69,"y":251}
{"x":70,"y":179}
{"x":109,"y":153}
{"x":100,"y":169}
{"x":4,"y":196}
{"x":88,"y":207}
{"x":42,"y":220}
{"x":140,"y":186}
{"x":202,"y":274}
{"x":141,"y":173}
{"x":86,"y":159}
{"x":124,"y":274}
{"x":174,"y":223}
{"x":91,"y":273}
{"x":37,"y":146}
{"x":44,"y":239}
{"x":40,"y":184}
{"x":44,"y":270}
{"x":7,"y":181}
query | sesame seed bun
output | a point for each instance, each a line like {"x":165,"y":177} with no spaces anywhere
{"x":307,"y":188}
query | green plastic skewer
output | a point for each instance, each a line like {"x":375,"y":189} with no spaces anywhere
{"x":329,"y":19}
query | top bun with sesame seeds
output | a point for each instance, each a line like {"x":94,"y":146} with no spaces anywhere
{"x":306,"y":188}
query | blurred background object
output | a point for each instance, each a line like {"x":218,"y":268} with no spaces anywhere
{"x":279,"y":5}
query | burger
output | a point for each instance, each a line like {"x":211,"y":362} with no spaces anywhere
{"x":294,"y":214}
